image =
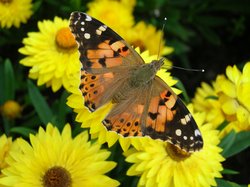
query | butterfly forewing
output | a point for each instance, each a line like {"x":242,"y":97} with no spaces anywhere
{"x":99,"y":46}
{"x":152,"y":109}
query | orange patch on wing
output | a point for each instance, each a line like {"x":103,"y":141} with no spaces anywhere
{"x":127,"y":123}
{"x":111,"y":62}
{"x":104,"y":45}
{"x":170,"y":100}
{"x":170,"y":115}
{"x":92,"y":88}
{"x":99,"y":53}
{"x":121,"y":48}
{"x":161,"y":119}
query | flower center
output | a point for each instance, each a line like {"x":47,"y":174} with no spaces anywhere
{"x":57,"y":177}
{"x":11,"y":109}
{"x":140,"y":44}
{"x":65,"y":39}
{"x":5,"y":1}
{"x":176,"y":153}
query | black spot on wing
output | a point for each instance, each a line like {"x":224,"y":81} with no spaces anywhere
{"x":102,"y":61}
{"x":153,"y":116}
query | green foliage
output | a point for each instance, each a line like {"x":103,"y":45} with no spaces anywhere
{"x":233,"y":143}
{"x":225,"y":183}
{"x":39,"y":103}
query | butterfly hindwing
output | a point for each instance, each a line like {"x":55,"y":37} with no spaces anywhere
{"x":161,"y":115}
{"x":125,"y":117}
{"x":169,"y":119}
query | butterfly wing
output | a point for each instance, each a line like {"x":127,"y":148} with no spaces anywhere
{"x":160,"y":115}
{"x":126,"y":117}
{"x":106,"y":59}
{"x":169,"y":119}
{"x":100,"y":47}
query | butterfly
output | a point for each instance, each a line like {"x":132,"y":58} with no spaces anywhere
{"x":143,"y":104}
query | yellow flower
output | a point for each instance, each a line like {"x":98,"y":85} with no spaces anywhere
{"x":128,"y":4}
{"x":11,"y":109}
{"x":55,"y":159}
{"x":147,"y":38}
{"x":228,"y":100}
{"x":94,"y":120}
{"x":206,"y":100}
{"x":114,"y":14}
{"x":162,"y":164}
{"x":52,"y":54}
{"x":5,"y":146}
{"x":118,"y":16}
{"x":234,"y":97}
{"x":14,"y":12}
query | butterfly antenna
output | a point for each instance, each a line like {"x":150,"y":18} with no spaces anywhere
{"x":161,"y":38}
{"x":181,"y":68}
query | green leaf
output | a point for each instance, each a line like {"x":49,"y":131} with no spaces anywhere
{"x":2,"y":99}
{"x":9,"y":81}
{"x":213,"y":97}
{"x":227,"y":142}
{"x":229,"y":172}
{"x":62,"y":110}
{"x":36,"y":5}
{"x":234,"y":143}
{"x":222,"y":125}
{"x":43,"y":110}
{"x":224,"y":183}
{"x":23,"y":131}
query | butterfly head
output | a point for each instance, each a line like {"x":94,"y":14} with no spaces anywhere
{"x":157,"y":64}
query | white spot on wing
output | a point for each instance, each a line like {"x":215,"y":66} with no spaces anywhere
{"x":82,"y":29}
{"x":87,"y":36}
{"x":178,"y":132}
{"x":88,"y":18}
{"x":191,"y":137}
{"x":197,"y":132}
{"x":188,"y":117}
{"x":82,"y":23}
{"x":183,"y":121}
{"x":98,"y":32}
{"x":185,"y":137}
{"x":102,"y":28}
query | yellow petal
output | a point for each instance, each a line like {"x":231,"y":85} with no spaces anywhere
{"x":230,"y":107}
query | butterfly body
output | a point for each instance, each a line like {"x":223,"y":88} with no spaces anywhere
{"x":145,"y":73}
{"x":143,"y":104}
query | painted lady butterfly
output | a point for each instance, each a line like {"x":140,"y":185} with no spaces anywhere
{"x":144,"y":105}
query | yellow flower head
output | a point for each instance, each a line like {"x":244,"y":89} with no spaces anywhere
{"x":114,"y":14}
{"x":11,"y":109}
{"x":14,"y":12}
{"x":5,"y":146}
{"x":94,"y":120}
{"x":233,"y":92}
{"x":147,"y":38}
{"x":162,"y":164}
{"x":54,"y":159}
{"x":52,"y":54}
{"x":206,"y":100}
{"x":228,"y":100}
